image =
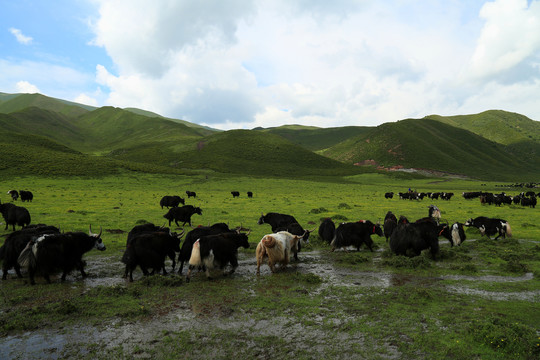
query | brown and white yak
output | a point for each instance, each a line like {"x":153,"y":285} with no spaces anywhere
{"x":277,"y":248}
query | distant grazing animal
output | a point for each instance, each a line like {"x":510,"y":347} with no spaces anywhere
{"x":355,"y":234}
{"x":529,"y":201}
{"x":250,"y":194}
{"x":171,"y":201}
{"x":182,"y":214}
{"x":415,"y":237}
{"x":390,"y":224}
{"x":191,"y":194}
{"x":235,"y":194}
{"x":327,"y":230}
{"x":194,"y":235}
{"x":15,"y":244}
{"x":149,"y":250}
{"x":217,"y":251}
{"x":276,"y":248}
{"x":389,"y":195}
{"x":296,"y":229}
{"x":26,"y":195}
{"x":64,"y":252}
{"x":489,"y":226}
{"x":14,"y":194}
{"x":276,"y":220}
{"x":15,"y":215}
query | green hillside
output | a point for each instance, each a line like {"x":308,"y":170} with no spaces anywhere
{"x":257,"y":153}
{"x":430,"y":144}
{"x":500,"y":126}
{"x":18,"y":102}
{"x":314,"y":138}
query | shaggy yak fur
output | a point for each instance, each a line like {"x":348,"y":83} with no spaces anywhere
{"x":277,"y":248}
{"x":217,"y":251}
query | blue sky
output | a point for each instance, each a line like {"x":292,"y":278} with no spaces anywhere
{"x":243,"y":63}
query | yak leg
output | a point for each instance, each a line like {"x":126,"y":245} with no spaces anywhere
{"x":190,"y":269}
{"x":234,"y":265}
{"x":17,"y":270}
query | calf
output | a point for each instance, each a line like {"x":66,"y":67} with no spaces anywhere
{"x":182,"y":214}
{"x":15,"y":215}
{"x":149,"y":250}
{"x":15,"y":244}
{"x":217,"y":251}
{"x":327,"y":230}
{"x":489,"y":226}
{"x":52,"y":252}
{"x":194,"y":235}
{"x":355,"y":234}
{"x":277,"y":248}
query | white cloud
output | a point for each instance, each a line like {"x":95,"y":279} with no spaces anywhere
{"x":86,"y":100}
{"x":26,"y":88}
{"x":259,"y":63}
{"x":25,"y":40}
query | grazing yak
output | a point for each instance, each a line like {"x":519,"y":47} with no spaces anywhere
{"x":389,"y":195}
{"x":14,"y":194}
{"x":194,"y":235}
{"x":250,"y":194}
{"x":15,"y":244}
{"x":390,"y":224}
{"x":182,"y":214}
{"x":235,"y":194}
{"x":217,"y":251}
{"x":276,"y":220}
{"x":327,"y":230}
{"x":15,"y":215}
{"x":489,"y":226}
{"x":170,"y":201}
{"x":277,"y":248}
{"x":355,"y":234}
{"x":191,"y":194}
{"x":26,"y":195}
{"x":149,"y":250}
{"x":64,"y":252}
{"x":415,"y":237}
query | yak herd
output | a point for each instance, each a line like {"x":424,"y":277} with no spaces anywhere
{"x":45,"y":250}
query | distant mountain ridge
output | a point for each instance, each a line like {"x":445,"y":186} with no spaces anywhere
{"x":491,"y":145}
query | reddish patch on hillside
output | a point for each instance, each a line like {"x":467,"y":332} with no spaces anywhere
{"x":366,"y":162}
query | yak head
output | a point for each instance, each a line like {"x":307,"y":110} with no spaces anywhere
{"x":261,"y":219}
{"x":99,"y":243}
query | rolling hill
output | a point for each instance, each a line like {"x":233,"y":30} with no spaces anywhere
{"x":51,"y":136}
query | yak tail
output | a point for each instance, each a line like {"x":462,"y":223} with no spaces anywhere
{"x":195,"y":258}
{"x":27,"y":258}
{"x":269,"y":241}
{"x":508,"y":229}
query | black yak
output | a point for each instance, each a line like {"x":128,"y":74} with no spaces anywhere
{"x":327,"y":230}
{"x":418,"y":236}
{"x":15,"y":215}
{"x":355,"y":234}
{"x":182,"y":214}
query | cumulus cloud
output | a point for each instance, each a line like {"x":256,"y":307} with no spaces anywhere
{"x":509,"y":42}
{"x":25,"y":40}
{"x":26,"y":88}
{"x":260,"y":63}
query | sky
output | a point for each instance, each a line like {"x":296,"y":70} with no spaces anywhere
{"x":233,"y":64}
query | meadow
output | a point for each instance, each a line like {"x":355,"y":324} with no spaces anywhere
{"x":479,"y":300}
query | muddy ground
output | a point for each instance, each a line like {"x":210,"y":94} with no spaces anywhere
{"x":107,"y":271}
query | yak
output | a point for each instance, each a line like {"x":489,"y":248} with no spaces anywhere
{"x":64,"y":252}
{"x":171,"y":201}
{"x":390,"y":224}
{"x":17,"y":241}
{"x":276,"y":220}
{"x":217,"y":251}
{"x":182,"y":214}
{"x":15,"y":215}
{"x":490,"y":226}
{"x":355,"y":234}
{"x":277,"y":248}
{"x":415,"y":237}
{"x":327,"y":230}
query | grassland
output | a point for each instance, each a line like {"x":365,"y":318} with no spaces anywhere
{"x":480,"y":300}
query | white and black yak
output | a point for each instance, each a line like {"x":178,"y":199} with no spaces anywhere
{"x":15,"y":244}
{"x":217,"y":251}
{"x":276,"y":248}
{"x":59,"y":252}
{"x":489,"y":226}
